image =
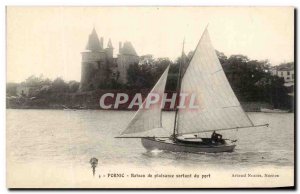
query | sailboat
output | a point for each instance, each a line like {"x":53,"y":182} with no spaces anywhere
{"x":219,"y":109}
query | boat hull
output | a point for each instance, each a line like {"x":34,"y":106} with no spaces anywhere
{"x":169,"y":145}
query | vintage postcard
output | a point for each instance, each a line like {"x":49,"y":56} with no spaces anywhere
{"x":150,"y":97}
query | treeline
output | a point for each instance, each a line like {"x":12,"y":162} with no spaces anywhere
{"x":251,"y":80}
{"x":41,"y":86}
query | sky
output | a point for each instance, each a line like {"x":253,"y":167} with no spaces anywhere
{"x":49,"y":40}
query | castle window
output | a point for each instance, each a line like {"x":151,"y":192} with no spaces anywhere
{"x":288,"y":73}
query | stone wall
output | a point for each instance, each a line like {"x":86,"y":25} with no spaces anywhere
{"x":124,"y":61}
{"x":93,"y":70}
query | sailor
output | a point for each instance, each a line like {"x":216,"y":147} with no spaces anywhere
{"x":216,"y":137}
{"x":213,"y":136}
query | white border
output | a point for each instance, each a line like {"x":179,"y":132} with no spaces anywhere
{"x":5,"y":3}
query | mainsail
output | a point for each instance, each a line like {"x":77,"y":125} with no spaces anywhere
{"x":218,"y":106}
{"x":146,"y":119}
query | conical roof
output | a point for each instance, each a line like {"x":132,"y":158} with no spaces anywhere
{"x":128,"y":49}
{"x":109,"y":44}
{"x":93,"y":42}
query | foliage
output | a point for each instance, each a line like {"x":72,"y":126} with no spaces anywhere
{"x":11,"y":89}
{"x":59,"y":85}
{"x":41,"y":86}
{"x":251,"y":80}
{"x":146,"y":75}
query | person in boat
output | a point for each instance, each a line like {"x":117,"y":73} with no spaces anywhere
{"x":216,"y":137}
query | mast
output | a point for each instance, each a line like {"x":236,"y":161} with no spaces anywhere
{"x":220,"y":108}
{"x":178,"y":89}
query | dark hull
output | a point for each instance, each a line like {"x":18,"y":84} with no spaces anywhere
{"x":170,"y":145}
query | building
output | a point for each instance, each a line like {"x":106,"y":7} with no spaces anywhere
{"x":126,"y":57}
{"x":98,"y":65}
{"x":286,"y":71}
{"x":146,"y":60}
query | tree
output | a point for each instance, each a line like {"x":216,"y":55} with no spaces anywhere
{"x":251,"y":80}
{"x":133,"y":72}
{"x":11,"y":89}
{"x":73,"y":86}
{"x":222,"y":57}
{"x":59,"y":85}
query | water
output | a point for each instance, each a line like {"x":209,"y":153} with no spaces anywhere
{"x":67,"y":138}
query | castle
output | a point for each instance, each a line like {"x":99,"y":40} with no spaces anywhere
{"x":99,"y":66}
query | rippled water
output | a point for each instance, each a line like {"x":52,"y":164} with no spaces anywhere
{"x":73,"y":137}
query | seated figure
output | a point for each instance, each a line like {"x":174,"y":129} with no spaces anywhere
{"x":216,"y":137}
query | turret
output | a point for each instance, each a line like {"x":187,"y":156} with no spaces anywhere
{"x":109,"y":44}
{"x":93,"y":43}
{"x":101,"y":42}
{"x":92,"y":63}
{"x":127,"y":56}
{"x":128,"y":49}
{"x":120,"y":47}
{"x":109,"y":50}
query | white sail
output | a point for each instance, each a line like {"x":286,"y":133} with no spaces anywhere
{"x":146,"y":119}
{"x":218,"y":107}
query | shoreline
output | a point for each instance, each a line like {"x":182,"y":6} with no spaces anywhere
{"x":123,"y":110}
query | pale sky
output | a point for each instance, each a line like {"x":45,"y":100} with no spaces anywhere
{"x":49,"y":40}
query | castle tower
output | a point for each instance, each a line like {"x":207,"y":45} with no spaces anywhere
{"x":93,"y":65}
{"x":127,"y":56}
{"x":109,"y":50}
{"x":93,"y":43}
{"x":101,"y":42}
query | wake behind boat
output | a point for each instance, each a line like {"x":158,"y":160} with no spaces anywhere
{"x":219,"y":109}
{"x":266,"y":110}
